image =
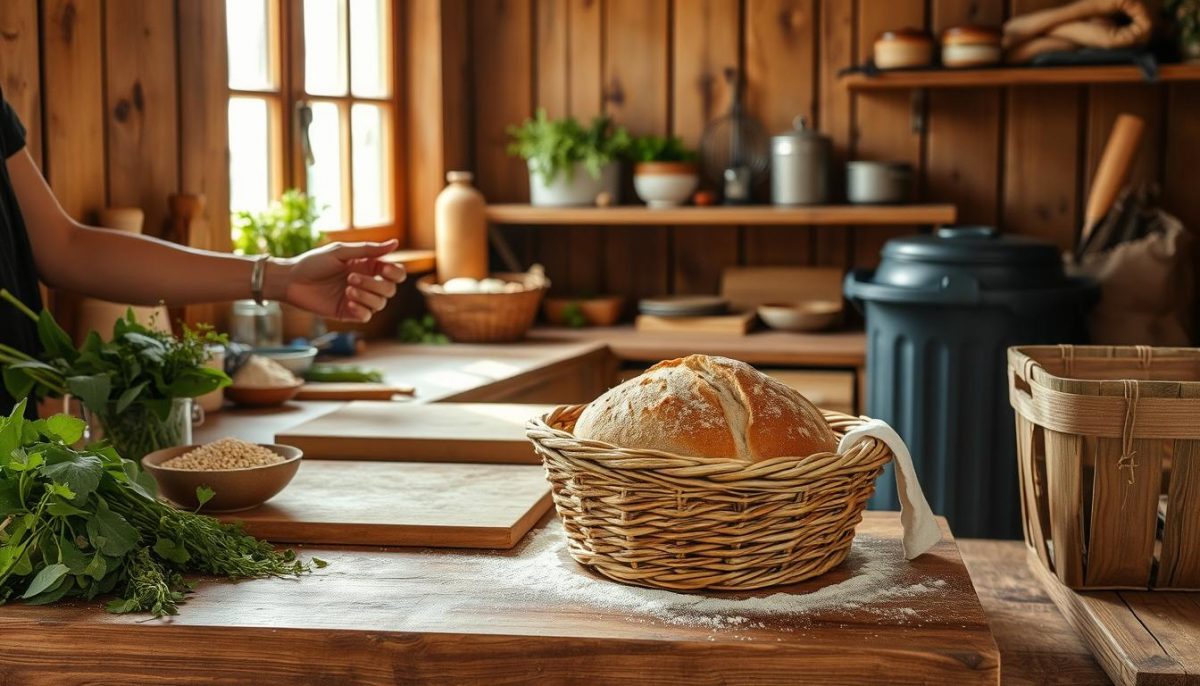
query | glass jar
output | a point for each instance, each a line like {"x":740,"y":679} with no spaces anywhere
{"x":139,"y":431}
{"x":258,"y":326}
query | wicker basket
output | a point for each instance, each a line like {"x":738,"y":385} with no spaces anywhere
{"x":483,"y":317}
{"x":684,"y":523}
{"x":1108,"y":446}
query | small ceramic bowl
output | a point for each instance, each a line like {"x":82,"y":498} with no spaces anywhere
{"x":603,"y":310}
{"x":254,"y":396}
{"x":809,"y":315}
{"x":296,"y":360}
{"x":665,"y":184}
{"x":234,"y":489}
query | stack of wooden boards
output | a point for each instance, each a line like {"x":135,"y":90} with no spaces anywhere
{"x":399,"y":474}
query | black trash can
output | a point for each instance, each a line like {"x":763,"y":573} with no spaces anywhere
{"x":941,"y":310}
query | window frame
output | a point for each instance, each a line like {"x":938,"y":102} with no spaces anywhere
{"x":288,"y":167}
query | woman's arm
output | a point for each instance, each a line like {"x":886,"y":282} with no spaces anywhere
{"x":340,"y":280}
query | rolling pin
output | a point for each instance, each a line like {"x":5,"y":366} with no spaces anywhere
{"x":1115,"y":163}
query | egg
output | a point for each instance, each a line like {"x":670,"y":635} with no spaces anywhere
{"x":491,"y":286}
{"x":462,"y":284}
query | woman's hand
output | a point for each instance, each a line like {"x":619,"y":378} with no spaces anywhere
{"x":344,"y":281}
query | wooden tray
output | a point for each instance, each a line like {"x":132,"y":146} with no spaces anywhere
{"x":724,"y":324}
{"x":458,"y":617}
{"x":1138,"y":637}
{"x":439,"y":432}
{"x":328,"y":390}
{"x":403,"y":504}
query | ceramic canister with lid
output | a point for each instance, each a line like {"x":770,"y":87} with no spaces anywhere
{"x":800,"y":166}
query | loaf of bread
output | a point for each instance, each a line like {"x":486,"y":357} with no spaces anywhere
{"x":705,"y":406}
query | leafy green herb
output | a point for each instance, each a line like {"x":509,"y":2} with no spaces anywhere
{"x":204,"y":494}
{"x":285,"y":229}
{"x":661,"y":149}
{"x":128,"y":382}
{"x":423,"y":330}
{"x":83,"y":523}
{"x":573,"y":315}
{"x":347,"y":373}
{"x":553,"y":147}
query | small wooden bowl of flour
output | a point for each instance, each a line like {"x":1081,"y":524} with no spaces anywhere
{"x":263,"y":382}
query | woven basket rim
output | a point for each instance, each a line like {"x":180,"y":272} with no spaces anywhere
{"x":425,"y":284}
{"x":607,"y":451}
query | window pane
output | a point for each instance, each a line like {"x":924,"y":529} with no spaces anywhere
{"x":249,"y":154}
{"x":370,"y":28}
{"x":372,"y":172}
{"x":325,"y":47}
{"x":250,"y":53}
{"x":325,"y":174}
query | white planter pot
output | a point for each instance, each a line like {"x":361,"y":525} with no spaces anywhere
{"x":581,"y":189}
{"x":665,"y":184}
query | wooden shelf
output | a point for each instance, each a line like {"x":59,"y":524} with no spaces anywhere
{"x":1016,"y":76}
{"x":754,"y":215}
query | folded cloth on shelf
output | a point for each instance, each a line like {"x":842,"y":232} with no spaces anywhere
{"x":1084,"y":23}
{"x":921,"y":530}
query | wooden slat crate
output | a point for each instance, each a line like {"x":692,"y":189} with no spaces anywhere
{"x":1108,"y":443}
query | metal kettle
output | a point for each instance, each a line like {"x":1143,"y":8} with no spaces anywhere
{"x":800,"y":161}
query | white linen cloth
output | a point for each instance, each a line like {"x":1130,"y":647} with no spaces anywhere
{"x":921,"y":531}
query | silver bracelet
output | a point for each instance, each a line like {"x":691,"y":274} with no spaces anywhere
{"x":256,"y":278}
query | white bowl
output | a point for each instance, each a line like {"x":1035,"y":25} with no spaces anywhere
{"x":665,"y":184}
{"x":295,"y":360}
{"x":809,"y":315}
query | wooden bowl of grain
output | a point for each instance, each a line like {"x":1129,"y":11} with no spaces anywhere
{"x":241,"y":475}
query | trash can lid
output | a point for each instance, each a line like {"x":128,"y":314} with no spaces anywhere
{"x":980,"y":253}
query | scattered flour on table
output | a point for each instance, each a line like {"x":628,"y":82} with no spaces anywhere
{"x":545,"y":569}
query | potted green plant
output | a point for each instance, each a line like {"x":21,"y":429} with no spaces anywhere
{"x":569,"y":164}
{"x":136,"y":389}
{"x":664,"y":170}
{"x":285,"y":229}
{"x":1186,"y":14}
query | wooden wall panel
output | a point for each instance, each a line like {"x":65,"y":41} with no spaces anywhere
{"x":143,"y":107}
{"x":1181,"y":151}
{"x":882,"y":121}
{"x":20,"y":68}
{"x":705,"y":50}
{"x":585,"y":84}
{"x":73,"y":62}
{"x":963,"y":149}
{"x":835,"y":116}
{"x":204,"y":129}
{"x":502,"y":45}
{"x":781,"y":59}
{"x":1041,"y":160}
{"x":551,"y":79}
{"x":637,"y":88}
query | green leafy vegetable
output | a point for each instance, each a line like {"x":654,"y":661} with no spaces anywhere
{"x":204,"y":494}
{"x":83,"y":523}
{"x":553,"y":147}
{"x":423,"y":330}
{"x":129,"y":382}
{"x":346,"y":373}
{"x":285,"y":229}
{"x":661,"y":149}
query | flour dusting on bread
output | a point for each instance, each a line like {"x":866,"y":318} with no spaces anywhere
{"x":707,"y":407}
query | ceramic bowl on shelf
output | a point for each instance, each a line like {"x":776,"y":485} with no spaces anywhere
{"x":807,"y":315}
{"x":234,"y":490}
{"x":262,"y":396}
{"x":604,"y":310}
{"x":296,"y":359}
{"x":665,"y":184}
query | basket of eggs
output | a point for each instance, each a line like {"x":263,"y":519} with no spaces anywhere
{"x":497,"y":309}
{"x":704,"y":473}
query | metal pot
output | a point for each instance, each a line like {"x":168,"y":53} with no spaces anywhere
{"x":878,"y":183}
{"x":800,"y":166}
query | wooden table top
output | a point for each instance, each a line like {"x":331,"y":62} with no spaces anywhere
{"x":531,"y":614}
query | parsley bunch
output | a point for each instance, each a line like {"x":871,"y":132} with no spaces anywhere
{"x":82,"y":523}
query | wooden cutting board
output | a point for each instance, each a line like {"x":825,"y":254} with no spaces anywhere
{"x":724,"y":324}
{"x":437,"y":432}
{"x":403,"y":504}
{"x":328,"y":390}
{"x":532,"y":615}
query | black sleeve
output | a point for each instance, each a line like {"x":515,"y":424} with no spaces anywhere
{"x":12,"y":132}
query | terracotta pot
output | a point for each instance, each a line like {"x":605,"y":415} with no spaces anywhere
{"x":604,"y":310}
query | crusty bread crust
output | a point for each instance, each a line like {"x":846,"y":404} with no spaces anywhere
{"x":707,"y":407}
